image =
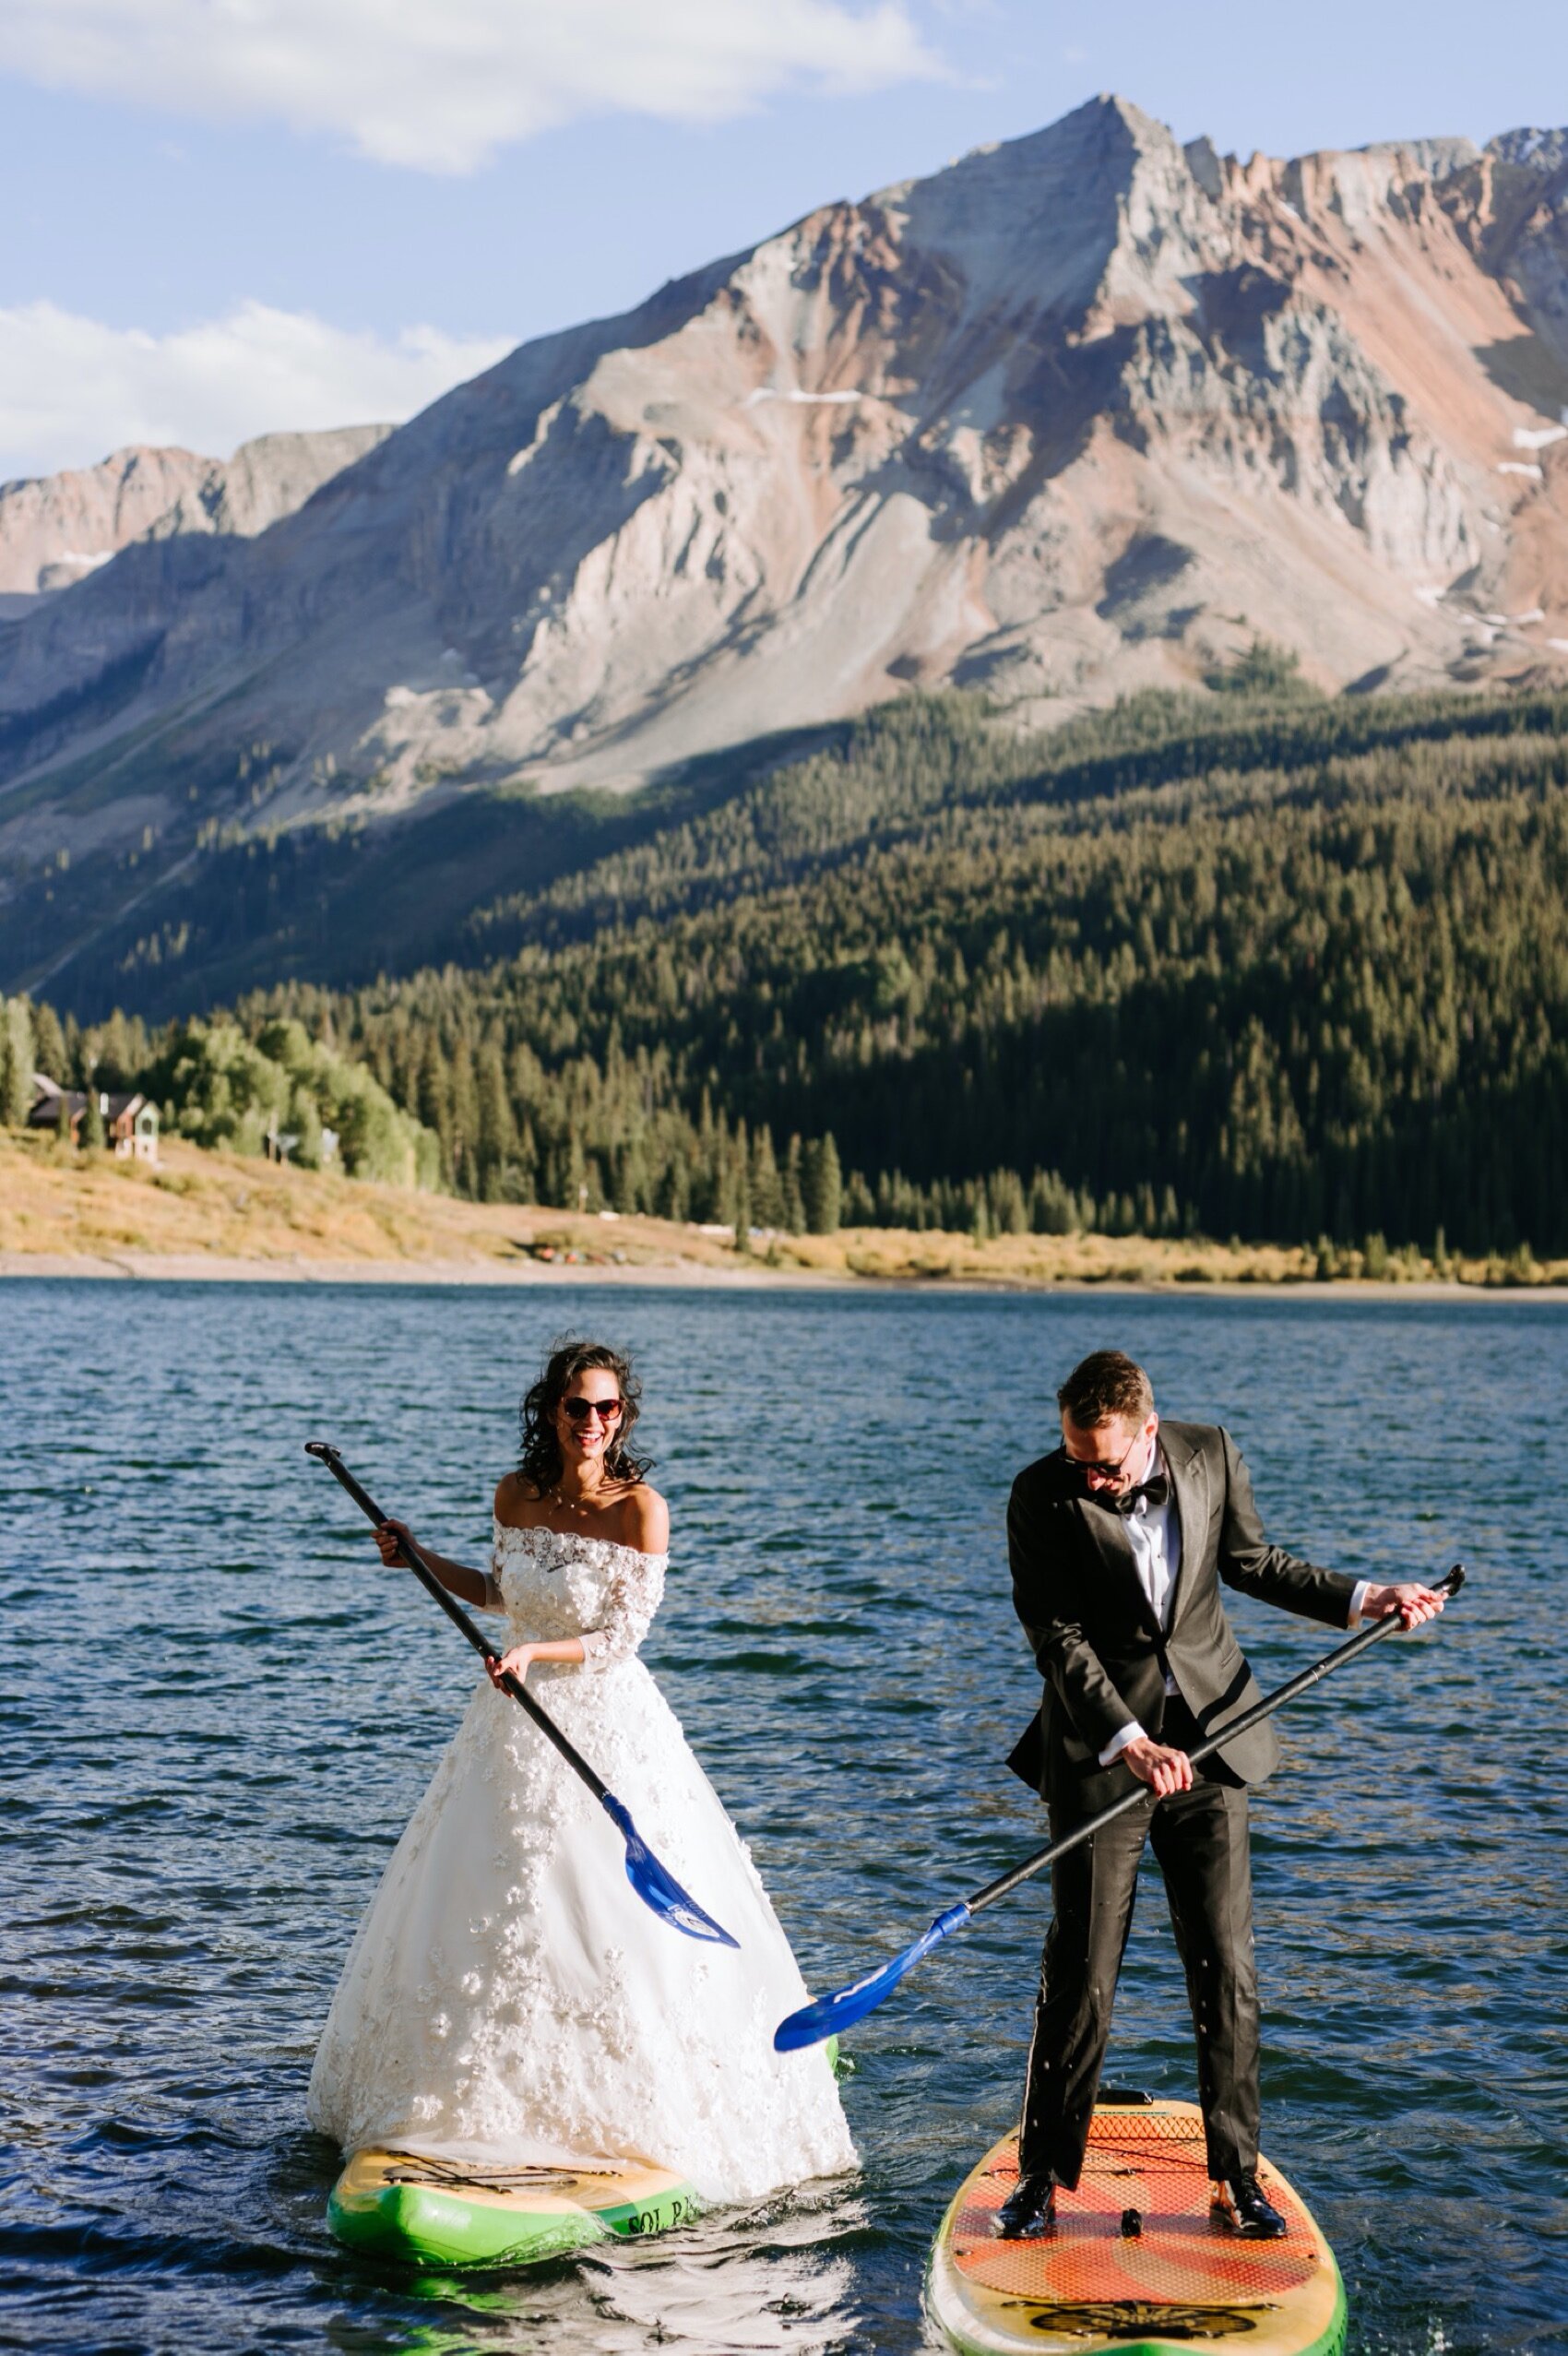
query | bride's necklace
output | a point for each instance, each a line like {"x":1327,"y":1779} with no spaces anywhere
{"x":582,"y":1505}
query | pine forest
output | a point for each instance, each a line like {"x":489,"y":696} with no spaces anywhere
{"x":1258,"y":963}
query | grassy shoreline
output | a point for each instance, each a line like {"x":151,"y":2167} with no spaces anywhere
{"x":220,"y":1215}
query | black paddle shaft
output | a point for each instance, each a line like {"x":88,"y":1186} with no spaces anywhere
{"x":1448,"y":1586}
{"x":460,"y":1618}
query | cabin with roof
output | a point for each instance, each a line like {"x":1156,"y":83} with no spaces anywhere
{"x":130,"y":1120}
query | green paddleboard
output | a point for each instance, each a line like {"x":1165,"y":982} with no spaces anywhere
{"x":444,"y":2212}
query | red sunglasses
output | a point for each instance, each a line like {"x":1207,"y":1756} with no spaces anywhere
{"x":607,"y":1409}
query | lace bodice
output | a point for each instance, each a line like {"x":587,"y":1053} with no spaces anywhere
{"x":566,"y":1583}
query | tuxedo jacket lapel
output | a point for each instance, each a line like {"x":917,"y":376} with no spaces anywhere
{"x":1189,"y":1486}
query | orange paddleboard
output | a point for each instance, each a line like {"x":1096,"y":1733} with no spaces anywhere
{"x":1136,"y":2263}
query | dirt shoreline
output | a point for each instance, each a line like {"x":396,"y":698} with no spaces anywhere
{"x":223,"y":1218}
{"x":746,"y":1276}
{"x":212,"y":1267}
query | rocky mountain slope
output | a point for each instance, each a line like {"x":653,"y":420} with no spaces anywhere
{"x":56,"y":529}
{"x":1083,"y":413}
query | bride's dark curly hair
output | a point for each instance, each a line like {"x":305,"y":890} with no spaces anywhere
{"x":539,"y":1459}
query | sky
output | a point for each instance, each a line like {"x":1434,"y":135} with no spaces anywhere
{"x":228,"y":217}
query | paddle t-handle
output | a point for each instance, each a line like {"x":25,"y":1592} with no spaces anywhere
{"x":829,"y":2015}
{"x":653,"y":1883}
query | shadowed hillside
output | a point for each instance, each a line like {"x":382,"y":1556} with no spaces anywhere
{"x":1268,"y":963}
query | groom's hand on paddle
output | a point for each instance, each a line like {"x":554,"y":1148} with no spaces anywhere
{"x":1413,"y":1602}
{"x":1162,"y":1769}
{"x":389,"y":1536}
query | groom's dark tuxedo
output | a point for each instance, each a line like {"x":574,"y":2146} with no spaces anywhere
{"x":1107,"y":1662}
{"x":1103,"y":1654}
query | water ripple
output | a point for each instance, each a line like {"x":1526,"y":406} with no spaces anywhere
{"x":220,"y":1714}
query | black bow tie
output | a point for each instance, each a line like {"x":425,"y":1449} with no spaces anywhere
{"x":1156,"y":1491}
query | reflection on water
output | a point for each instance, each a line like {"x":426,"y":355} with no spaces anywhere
{"x":224,"y":1716}
{"x":778,"y":2277}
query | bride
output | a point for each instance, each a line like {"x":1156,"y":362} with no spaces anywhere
{"x":508,"y":1996}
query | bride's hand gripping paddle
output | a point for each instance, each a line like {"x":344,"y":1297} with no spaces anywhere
{"x":653,"y":1883}
{"x":830,"y":2014}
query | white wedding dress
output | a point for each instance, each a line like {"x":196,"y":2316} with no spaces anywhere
{"x":508,"y":1995}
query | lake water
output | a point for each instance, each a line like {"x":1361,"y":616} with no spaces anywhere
{"x":220,"y":1713}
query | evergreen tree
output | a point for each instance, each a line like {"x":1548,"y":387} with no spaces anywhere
{"x":17,"y":1061}
{"x":119,"y":1049}
{"x":496,"y":1129}
{"x":465,"y":1119}
{"x":434,"y":1104}
{"x":673,"y":1200}
{"x":859,"y":1203}
{"x":766,"y":1190}
{"x":794,"y":1195}
{"x":49,"y":1045}
{"x":304,"y":1124}
{"x":822,"y":1188}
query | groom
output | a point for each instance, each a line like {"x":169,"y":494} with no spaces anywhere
{"x":1119,"y":1541}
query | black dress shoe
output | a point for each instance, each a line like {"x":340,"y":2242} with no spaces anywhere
{"x":1241,"y":2205}
{"x":1030,"y":2209}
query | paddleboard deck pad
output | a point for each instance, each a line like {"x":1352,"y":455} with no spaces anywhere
{"x":428,"y":2212}
{"x":1135,"y":2262}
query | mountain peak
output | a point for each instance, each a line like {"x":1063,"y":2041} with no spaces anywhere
{"x":1084,"y":411}
{"x":1531,"y":150}
{"x":1101,"y":138}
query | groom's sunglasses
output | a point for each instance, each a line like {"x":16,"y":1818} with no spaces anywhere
{"x":607,"y":1409}
{"x":1107,"y":1471}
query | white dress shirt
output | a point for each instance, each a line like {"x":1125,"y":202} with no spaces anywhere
{"x":1153,"y":1533}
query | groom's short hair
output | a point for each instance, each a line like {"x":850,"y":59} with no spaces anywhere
{"x":1104,"y":1386}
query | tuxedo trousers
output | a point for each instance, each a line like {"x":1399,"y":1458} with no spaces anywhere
{"x":1200,"y":1840}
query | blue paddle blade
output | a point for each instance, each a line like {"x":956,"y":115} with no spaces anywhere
{"x":658,"y":1888}
{"x":830,"y":2013}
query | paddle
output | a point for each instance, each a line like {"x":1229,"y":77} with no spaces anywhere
{"x":653,"y":1883}
{"x":829,"y":2015}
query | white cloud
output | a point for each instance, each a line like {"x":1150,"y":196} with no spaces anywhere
{"x":441,"y":85}
{"x":71,"y":389}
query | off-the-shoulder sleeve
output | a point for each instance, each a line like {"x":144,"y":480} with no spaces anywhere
{"x":633,"y":1596}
